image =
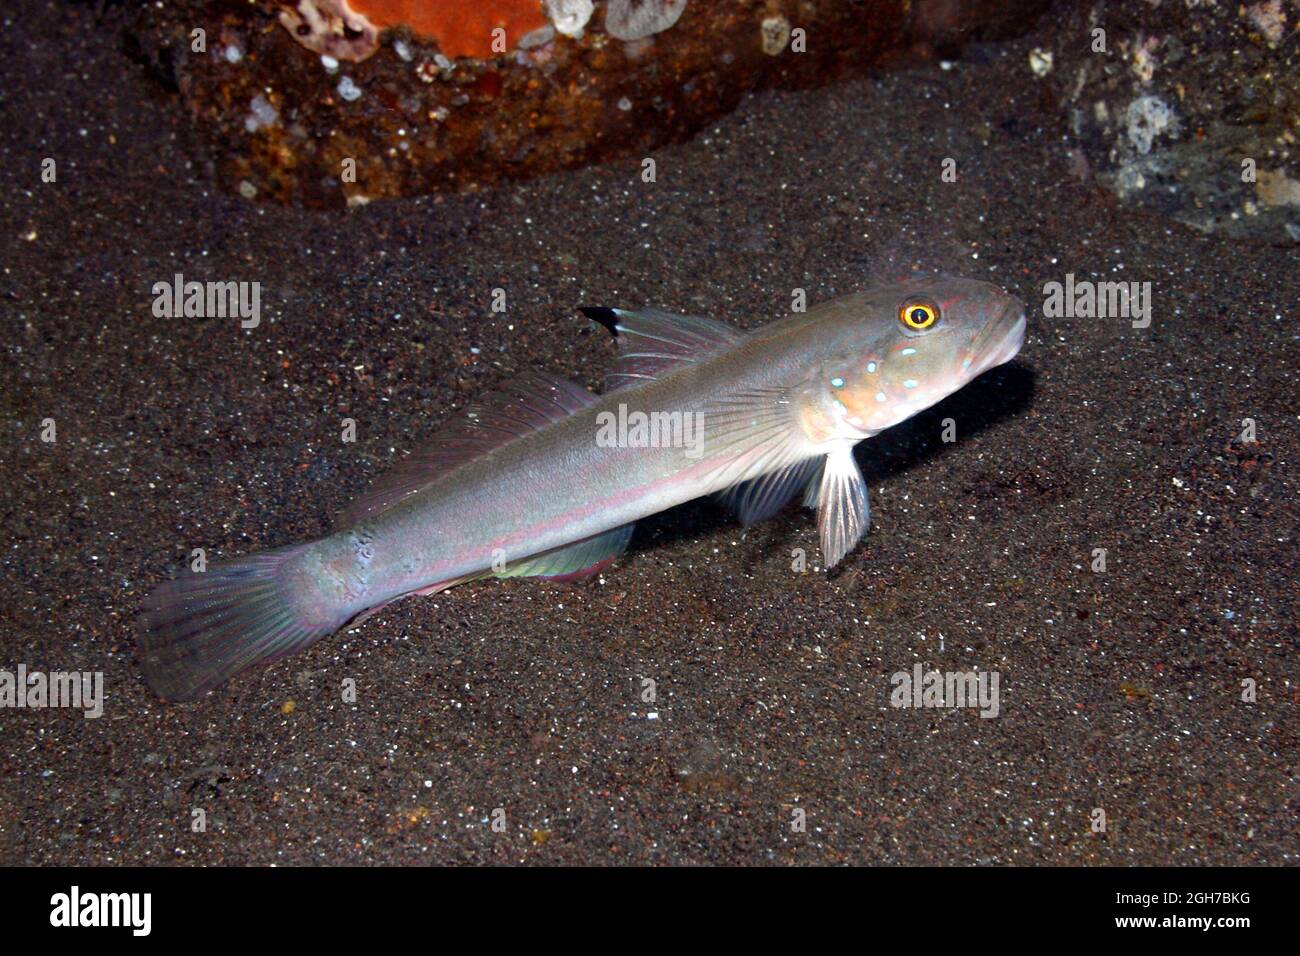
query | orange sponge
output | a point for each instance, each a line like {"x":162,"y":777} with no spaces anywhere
{"x":463,"y":28}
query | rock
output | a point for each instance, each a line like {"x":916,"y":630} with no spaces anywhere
{"x":1188,"y":109}
{"x":456,"y":95}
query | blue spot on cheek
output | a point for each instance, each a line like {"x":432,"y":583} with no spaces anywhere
{"x":837,"y":383}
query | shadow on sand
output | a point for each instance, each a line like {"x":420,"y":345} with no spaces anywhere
{"x":1000,"y":393}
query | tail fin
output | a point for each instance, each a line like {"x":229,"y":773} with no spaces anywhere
{"x":200,"y":630}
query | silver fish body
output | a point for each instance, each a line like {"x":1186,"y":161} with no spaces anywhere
{"x":549,"y":479}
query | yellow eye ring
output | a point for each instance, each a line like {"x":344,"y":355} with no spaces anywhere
{"x":918,"y":315}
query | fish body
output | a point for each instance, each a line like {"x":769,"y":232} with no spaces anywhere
{"x":548,"y":479}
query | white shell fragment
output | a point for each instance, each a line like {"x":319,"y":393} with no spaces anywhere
{"x":569,"y":16}
{"x":636,"y":19}
{"x":775,"y":32}
{"x":535,"y":38}
{"x":349,"y":89}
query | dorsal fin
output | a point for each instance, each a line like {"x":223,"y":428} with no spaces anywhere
{"x":652,"y":342}
{"x":527,"y":403}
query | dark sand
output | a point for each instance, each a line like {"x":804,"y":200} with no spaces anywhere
{"x":1119,"y":691}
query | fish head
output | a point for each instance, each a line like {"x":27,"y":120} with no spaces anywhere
{"x":910,"y":345}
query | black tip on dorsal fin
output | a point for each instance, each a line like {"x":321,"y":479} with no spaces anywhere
{"x":606,"y":317}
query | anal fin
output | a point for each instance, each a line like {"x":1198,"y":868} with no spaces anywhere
{"x":575,"y":560}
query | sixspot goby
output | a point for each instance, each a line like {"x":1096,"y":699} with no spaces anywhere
{"x":547,"y":479}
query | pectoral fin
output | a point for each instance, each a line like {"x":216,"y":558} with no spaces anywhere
{"x":843,"y":513}
{"x":751,"y":433}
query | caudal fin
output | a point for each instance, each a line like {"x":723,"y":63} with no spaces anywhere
{"x":200,"y":630}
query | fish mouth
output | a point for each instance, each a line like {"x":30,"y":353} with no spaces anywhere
{"x":1000,"y":340}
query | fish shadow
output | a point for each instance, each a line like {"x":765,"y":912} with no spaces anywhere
{"x":998,"y":394}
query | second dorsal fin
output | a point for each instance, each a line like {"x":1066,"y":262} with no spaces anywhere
{"x":652,"y":342}
{"x":527,"y":403}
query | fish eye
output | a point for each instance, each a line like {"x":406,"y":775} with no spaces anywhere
{"x":918,"y":315}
